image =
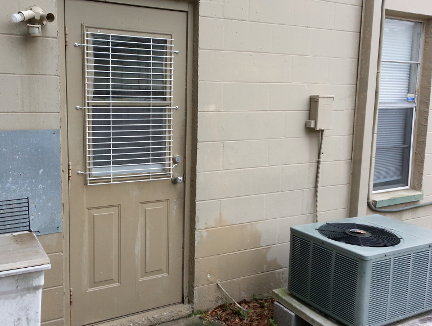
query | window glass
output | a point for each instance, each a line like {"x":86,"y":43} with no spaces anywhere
{"x":129,"y":68}
{"x":399,"y":69}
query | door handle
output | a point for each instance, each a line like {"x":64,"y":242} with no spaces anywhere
{"x":177,"y":180}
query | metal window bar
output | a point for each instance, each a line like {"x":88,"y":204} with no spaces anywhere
{"x":128,"y":112}
{"x":14,"y":215}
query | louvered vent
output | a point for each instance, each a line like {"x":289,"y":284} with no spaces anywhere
{"x":129,"y":90}
{"x":345,"y":285}
{"x":14,"y":215}
{"x":418,"y":282}
{"x":379,"y":291}
{"x":300,"y":267}
{"x":321,"y":276}
{"x":429,"y":291}
{"x":326,"y":278}
{"x":399,"y":286}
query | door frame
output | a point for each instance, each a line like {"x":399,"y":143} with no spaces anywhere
{"x":189,"y":7}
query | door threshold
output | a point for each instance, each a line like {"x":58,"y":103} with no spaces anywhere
{"x":150,"y":317}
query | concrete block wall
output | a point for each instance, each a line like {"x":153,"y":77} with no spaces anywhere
{"x":258,"y":63}
{"x":30,"y":96}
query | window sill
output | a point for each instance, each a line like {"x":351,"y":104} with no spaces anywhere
{"x":396,"y":197}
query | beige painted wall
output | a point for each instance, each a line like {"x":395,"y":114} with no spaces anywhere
{"x":258,"y":65}
{"x":30,"y":96}
{"x":419,"y":7}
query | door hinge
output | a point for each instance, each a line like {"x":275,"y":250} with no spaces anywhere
{"x":70,"y":296}
{"x":66,"y":36}
{"x":69,"y":170}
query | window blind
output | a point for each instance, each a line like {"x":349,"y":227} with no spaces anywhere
{"x":397,"y":101}
{"x":128,"y":88}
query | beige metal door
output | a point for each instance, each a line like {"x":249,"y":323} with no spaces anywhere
{"x":126,"y":75}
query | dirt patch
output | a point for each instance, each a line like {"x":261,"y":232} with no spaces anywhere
{"x":256,"y":312}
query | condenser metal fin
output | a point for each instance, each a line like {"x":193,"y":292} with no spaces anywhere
{"x":14,"y":215}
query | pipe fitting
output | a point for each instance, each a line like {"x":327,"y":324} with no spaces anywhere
{"x":35,"y":17}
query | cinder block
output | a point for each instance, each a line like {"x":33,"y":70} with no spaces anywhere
{"x":337,"y":214}
{"x":246,"y":96}
{"x":236,"y":9}
{"x":335,"y":173}
{"x":247,"y":36}
{"x":207,"y":214}
{"x":52,"y":303}
{"x":209,"y":270}
{"x":284,"y":204}
{"x":280,"y":11}
{"x":209,"y":296}
{"x":331,"y":43}
{"x":316,"y":14}
{"x":337,"y":148}
{"x":211,"y":8}
{"x":299,"y":37}
{"x":347,"y":18}
{"x":41,"y":93}
{"x":342,"y":123}
{"x":286,"y":151}
{"x":243,"y":209}
{"x":209,"y":157}
{"x":244,"y":66}
{"x":219,"y":126}
{"x":342,"y":71}
{"x":428,"y":164}
{"x":298,"y":176}
{"x":245,"y":154}
{"x":207,"y":27}
{"x":311,"y":69}
{"x":429,"y":142}
{"x":291,"y":97}
{"x":29,"y":56}
{"x":210,"y":96}
{"x":334,"y":197}
{"x":258,"y":234}
{"x":285,"y":317}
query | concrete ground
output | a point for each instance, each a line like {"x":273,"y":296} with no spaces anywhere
{"x":190,"y":321}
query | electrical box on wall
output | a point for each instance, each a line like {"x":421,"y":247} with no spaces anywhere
{"x":321,"y":112}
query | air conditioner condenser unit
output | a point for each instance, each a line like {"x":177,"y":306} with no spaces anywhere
{"x":362,"y":271}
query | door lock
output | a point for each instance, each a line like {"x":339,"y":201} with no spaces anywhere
{"x":177,"y":159}
{"x":177,"y":180}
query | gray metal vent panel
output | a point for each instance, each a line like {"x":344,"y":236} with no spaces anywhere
{"x":429,"y":291}
{"x":30,"y":168}
{"x":345,"y":285}
{"x":418,"y":284}
{"x":321,"y":277}
{"x":299,"y":269}
{"x":379,"y":292}
{"x":399,"y":286}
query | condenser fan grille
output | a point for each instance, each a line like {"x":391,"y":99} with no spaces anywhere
{"x":359,"y":234}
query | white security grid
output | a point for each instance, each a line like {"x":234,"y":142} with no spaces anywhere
{"x":128,"y":112}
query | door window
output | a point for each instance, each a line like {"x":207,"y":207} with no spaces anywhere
{"x":128,"y":89}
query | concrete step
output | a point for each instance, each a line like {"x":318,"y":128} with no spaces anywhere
{"x":153,"y":317}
